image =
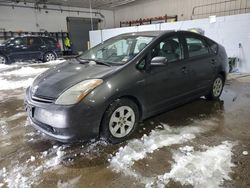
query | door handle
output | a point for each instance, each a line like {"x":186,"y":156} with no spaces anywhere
{"x":184,"y":70}
{"x":213,"y":61}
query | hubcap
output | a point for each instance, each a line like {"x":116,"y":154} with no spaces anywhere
{"x":217,"y":87}
{"x":122,"y":121}
{"x":2,"y":60}
{"x":50,"y":57}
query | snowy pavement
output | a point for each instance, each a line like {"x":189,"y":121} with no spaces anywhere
{"x":202,"y":144}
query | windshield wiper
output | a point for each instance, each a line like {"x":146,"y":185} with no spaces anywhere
{"x":83,"y":61}
{"x":94,"y":60}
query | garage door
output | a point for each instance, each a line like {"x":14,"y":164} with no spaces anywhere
{"x":78,"y":29}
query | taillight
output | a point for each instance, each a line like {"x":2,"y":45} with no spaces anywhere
{"x":58,"y":45}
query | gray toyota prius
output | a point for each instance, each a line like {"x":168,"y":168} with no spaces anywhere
{"x":107,"y":90}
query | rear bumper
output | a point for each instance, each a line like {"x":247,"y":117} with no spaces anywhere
{"x":63,"y":123}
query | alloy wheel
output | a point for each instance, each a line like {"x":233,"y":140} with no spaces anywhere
{"x":50,"y":57}
{"x":122,"y":121}
{"x":2,"y":60}
{"x":217,"y":87}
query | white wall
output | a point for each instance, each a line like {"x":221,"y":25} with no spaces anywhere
{"x":228,"y":31}
{"x":182,"y":8}
{"x":23,"y":19}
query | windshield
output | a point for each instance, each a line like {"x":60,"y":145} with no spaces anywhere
{"x":118,"y":50}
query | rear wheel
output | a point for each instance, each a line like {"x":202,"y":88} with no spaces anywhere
{"x":3,"y":59}
{"x":120,"y":120}
{"x":49,"y":56}
{"x":216,"y":89}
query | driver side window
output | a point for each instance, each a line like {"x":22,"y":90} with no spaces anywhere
{"x":170,"y":48}
{"x":19,"y":41}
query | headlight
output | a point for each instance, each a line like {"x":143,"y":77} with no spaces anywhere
{"x":78,"y":92}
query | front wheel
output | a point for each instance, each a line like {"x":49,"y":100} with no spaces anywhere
{"x":3,"y":59}
{"x":49,"y":56}
{"x":216,"y":89}
{"x":120,"y":121}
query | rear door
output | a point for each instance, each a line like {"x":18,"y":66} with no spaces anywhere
{"x":35,"y":47}
{"x":167,"y":84}
{"x":199,"y":60}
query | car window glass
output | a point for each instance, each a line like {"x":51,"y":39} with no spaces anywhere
{"x":196,"y":47}
{"x":34,"y":41}
{"x":169,"y":48}
{"x":142,"y":63}
{"x":19,"y":41}
{"x":118,"y":50}
{"x":49,"y":41}
{"x":213,"y":46}
{"x":141,"y":43}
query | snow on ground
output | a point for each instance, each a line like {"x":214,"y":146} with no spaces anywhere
{"x":207,"y":169}
{"x":9,"y":85}
{"x":28,"y":174}
{"x":25,"y":72}
{"x":69,"y":183}
{"x":4,"y":67}
{"x":200,"y":169}
{"x":138,"y":149}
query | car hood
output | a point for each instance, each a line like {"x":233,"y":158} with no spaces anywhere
{"x":59,"y":78}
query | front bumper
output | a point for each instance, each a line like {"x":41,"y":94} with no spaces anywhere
{"x":64,"y":123}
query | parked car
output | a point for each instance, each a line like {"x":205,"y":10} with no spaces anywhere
{"x":29,"y":48}
{"x":110,"y":88}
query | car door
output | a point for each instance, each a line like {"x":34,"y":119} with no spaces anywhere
{"x":200,"y":61}
{"x":17,"y":48}
{"x":35,"y":48}
{"x":167,"y":84}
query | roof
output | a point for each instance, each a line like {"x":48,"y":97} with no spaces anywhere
{"x":147,"y":33}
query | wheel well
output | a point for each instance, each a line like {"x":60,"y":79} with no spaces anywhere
{"x":50,"y":52}
{"x":136,"y":101}
{"x":132,"y":98}
{"x":223,"y":74}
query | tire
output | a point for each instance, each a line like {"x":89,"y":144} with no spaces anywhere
{"x":216,"y":88}
{"x":49,"y":56}
{"x":120,"y":121}
{"x":3,"y":60}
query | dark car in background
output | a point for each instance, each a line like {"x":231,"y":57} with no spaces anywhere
{"x":110,"y":88}
{"x":25,"y":48}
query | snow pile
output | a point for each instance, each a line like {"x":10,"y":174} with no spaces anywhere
{"x":206,"y":169}
{"x":28,"y":174}
{"x":4,"y":67}
{"x":56,"y":159}
{"x":55,"y":62}
{"x":138,"y":149}
{"x":25,"y":71}
{"x":69,"y":183}
{"x":8,"y":85}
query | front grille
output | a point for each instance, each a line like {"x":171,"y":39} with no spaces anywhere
{"x":42,"y":99}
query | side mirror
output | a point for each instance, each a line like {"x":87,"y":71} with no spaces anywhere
{"x":158,"y":61}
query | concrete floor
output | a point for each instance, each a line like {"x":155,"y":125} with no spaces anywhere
{"x":200,"y":144}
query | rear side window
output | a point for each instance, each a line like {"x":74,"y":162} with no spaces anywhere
{"x":196,"y":47}
{"x":34,"y":41}
{"x":50,"y":41}
{"x":213,"y":46}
